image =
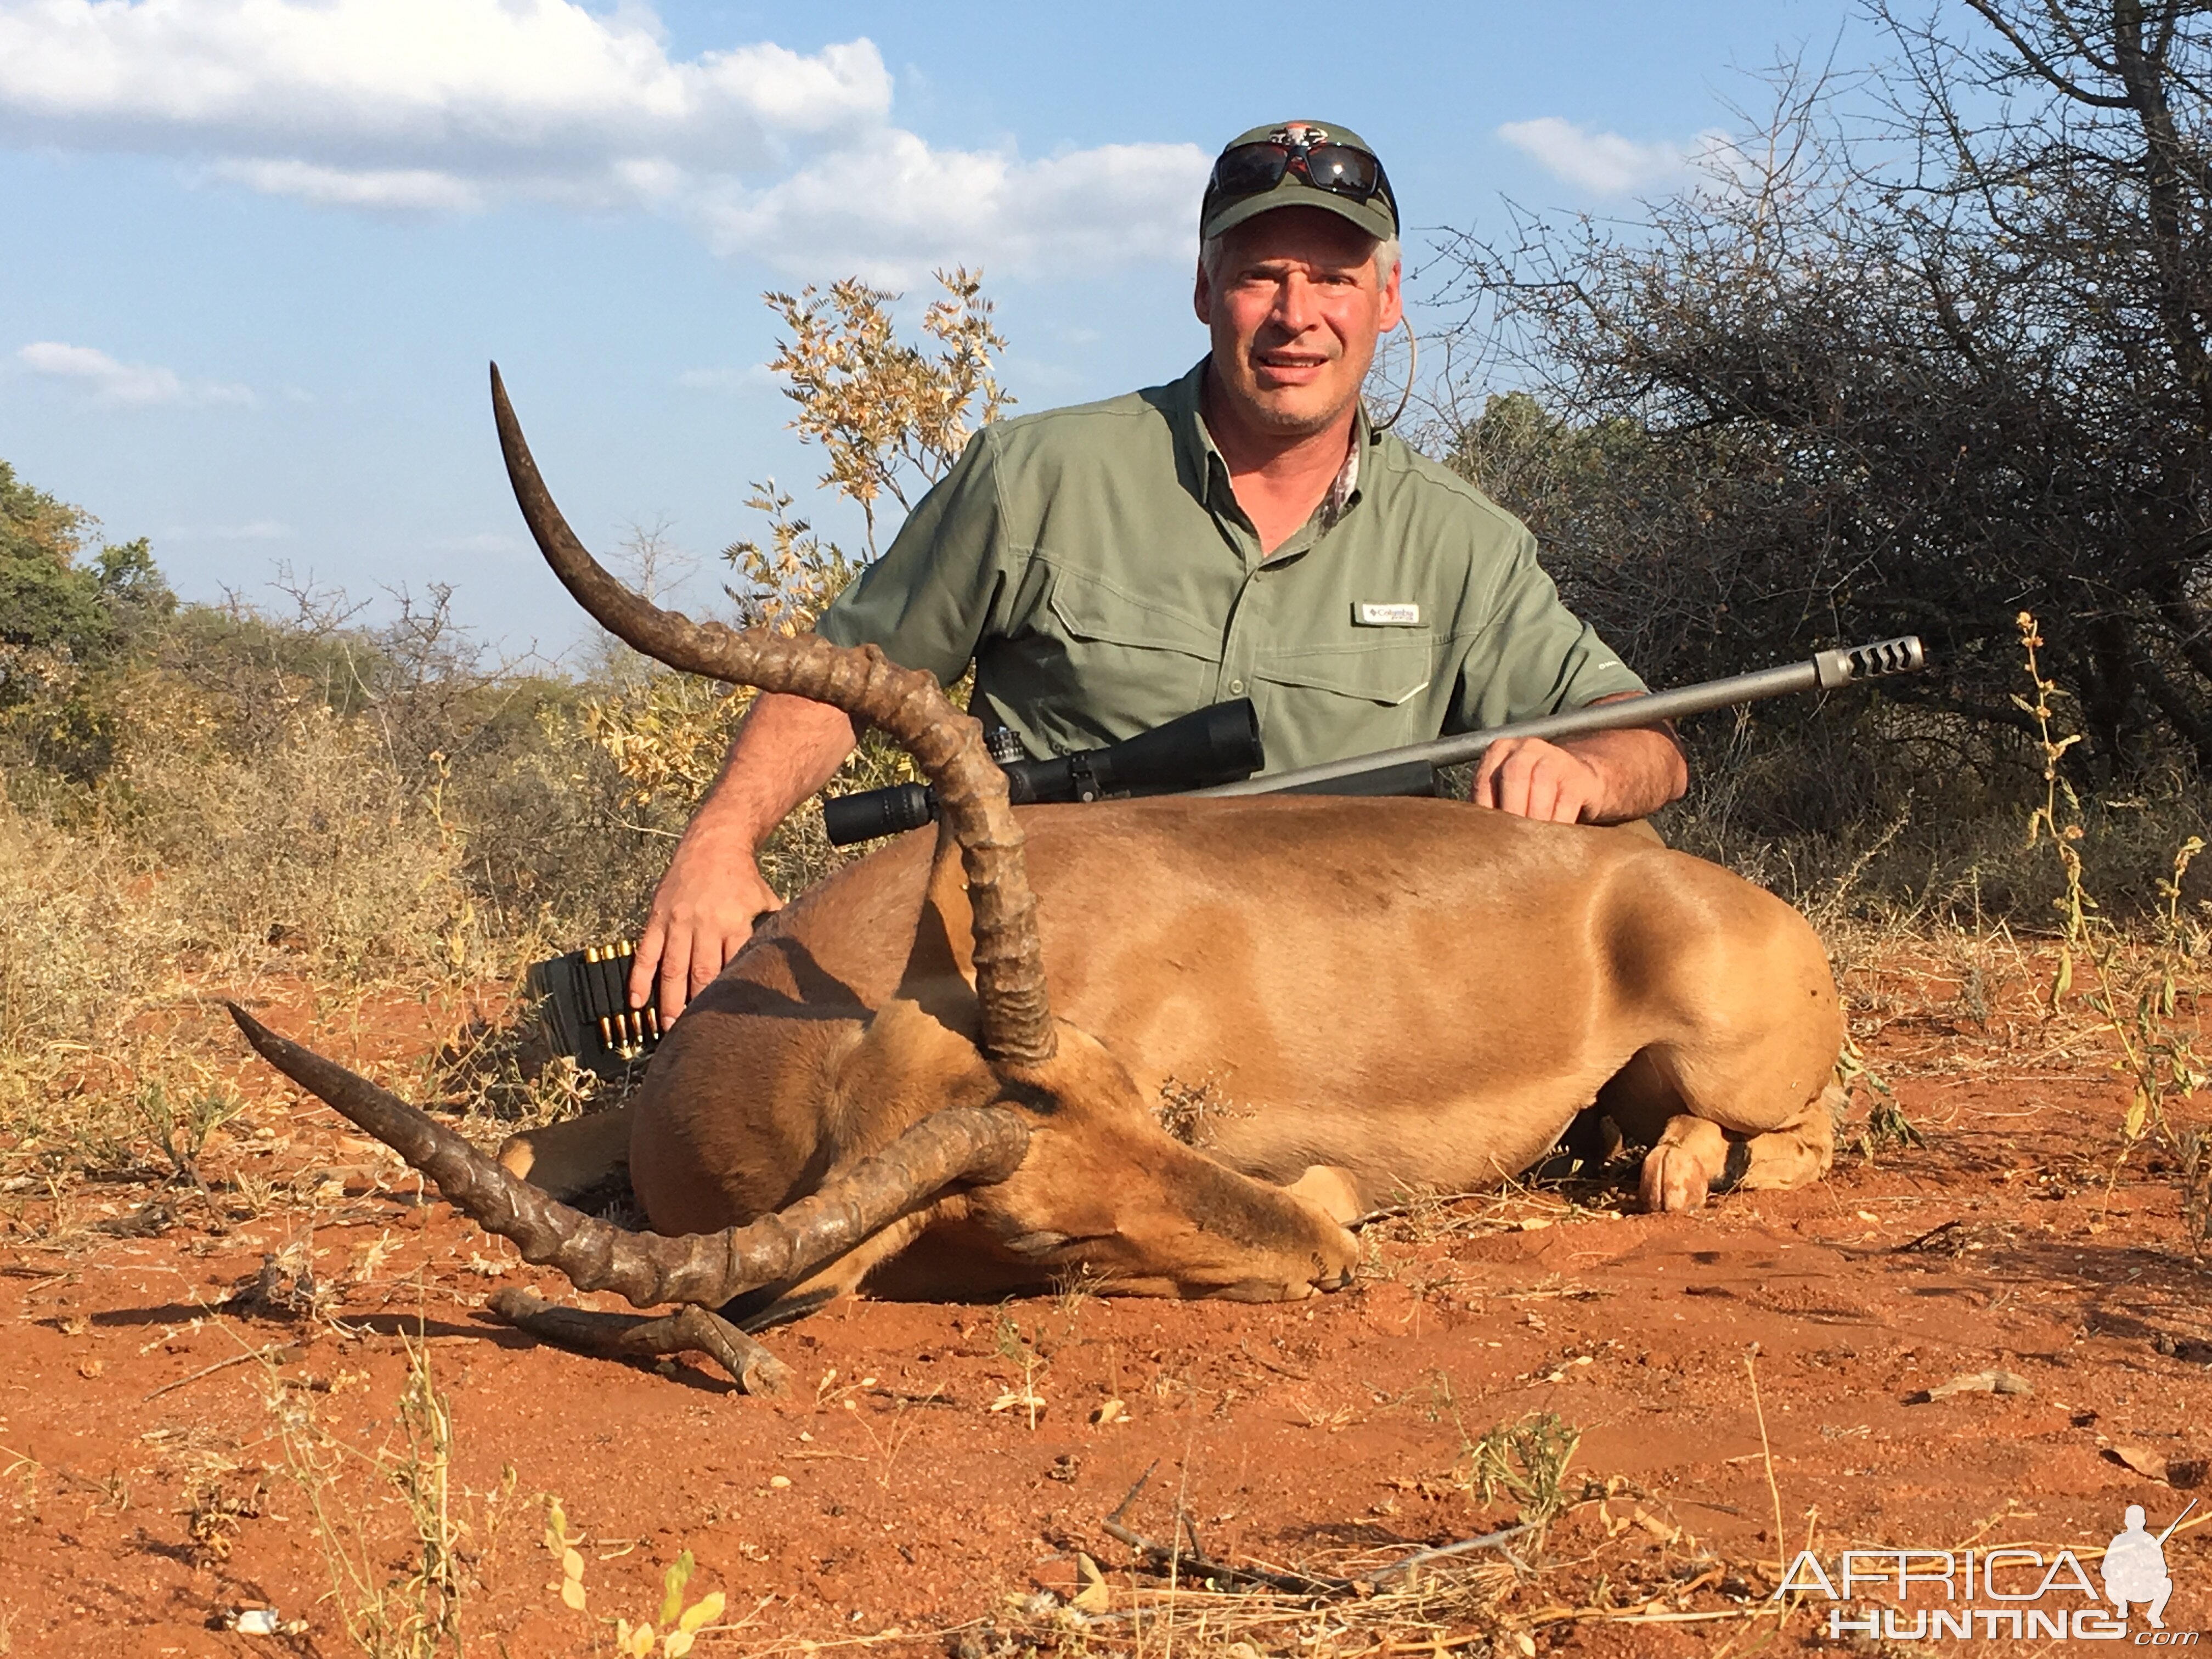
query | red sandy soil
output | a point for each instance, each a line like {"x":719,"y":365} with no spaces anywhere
{"x":886,"y":1495}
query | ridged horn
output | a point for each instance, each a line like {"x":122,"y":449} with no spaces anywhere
{"x":909,"y":706}
{"x":959,"y":1144}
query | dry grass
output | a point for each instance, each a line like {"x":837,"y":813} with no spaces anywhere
{"x":1602,"y":1553}
{"x":406,"y":1548}
{"x":339,"y":855}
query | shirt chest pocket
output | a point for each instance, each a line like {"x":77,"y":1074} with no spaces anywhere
{"x":1130,"y":665}
{"x":1327,"y":702}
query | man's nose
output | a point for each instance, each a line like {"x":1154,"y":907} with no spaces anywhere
{"x":1294,"y":304}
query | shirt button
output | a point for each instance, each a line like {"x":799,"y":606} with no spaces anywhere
{"x":1236,"y":685}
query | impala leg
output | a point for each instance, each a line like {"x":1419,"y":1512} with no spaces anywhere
{"x":1694,"y":1156}
{"x":1690,"y":1156}
{"x":1693,"y":1153}
{"x":569,"y":1159}
{"x":1795,"y":1153}
{"x":644,"y":1336}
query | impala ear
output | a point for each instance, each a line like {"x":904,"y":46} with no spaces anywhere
{"x":1330,"y":1190}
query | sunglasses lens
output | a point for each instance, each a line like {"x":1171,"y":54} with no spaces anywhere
{"x":1249,"y":168}
{"x":1347,"y":172}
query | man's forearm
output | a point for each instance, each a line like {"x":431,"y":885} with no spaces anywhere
{"x":1641,"y":770}
{"x":786,"y":749}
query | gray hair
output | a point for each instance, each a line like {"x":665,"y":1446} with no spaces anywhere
{"x":1387,"y":253}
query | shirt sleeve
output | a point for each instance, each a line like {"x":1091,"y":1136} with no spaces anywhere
{"x":928,"y":600}
{"x":1534,"y":657}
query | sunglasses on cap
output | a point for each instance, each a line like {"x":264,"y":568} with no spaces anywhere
{"x":1340,"y":169}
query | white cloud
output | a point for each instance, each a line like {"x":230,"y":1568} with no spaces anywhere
{"x":1605,"y":163}
{"x":452,"y":106}
{"x":321,"y":75}
{"x":758,"y":377}
{"x":117,"y":384}
{"x":256,"y":530}
{"x":892,"y":204}
{"x":409,"y":189}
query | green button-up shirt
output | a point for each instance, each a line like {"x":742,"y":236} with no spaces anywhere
{"x":1094,"y":565}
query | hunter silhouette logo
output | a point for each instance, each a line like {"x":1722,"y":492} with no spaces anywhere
{"x":2014,"y":1591}
{"x":2135,"y":1567}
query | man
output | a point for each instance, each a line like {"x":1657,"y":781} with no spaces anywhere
{"x":2134,"y":1568}
{"x":1243,"y":531}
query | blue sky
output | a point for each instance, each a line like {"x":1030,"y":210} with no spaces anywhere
{"x":257,"y":252}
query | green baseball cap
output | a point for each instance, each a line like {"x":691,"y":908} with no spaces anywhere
{"x":1298,"y":164}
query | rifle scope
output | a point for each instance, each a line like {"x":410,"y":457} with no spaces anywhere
{"x":1216,"y":745}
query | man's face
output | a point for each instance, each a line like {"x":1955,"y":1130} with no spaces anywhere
{"x":1295,"y":308}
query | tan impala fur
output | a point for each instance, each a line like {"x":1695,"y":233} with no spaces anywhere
{"x":1414,"y":994}
{"x":938,"y":1071}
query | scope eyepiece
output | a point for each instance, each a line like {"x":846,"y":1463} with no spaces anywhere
{"x":873,"y":812}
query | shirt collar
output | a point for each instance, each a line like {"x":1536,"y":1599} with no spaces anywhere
{"x":1207,"y":464}
{"x":1345,"y":489}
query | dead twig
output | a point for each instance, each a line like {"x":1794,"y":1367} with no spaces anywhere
{"x":1423,"y":1558}
{"x":1196,"y":1564}
{"x":1637,"y":1616}
{"x":1767,"y":1452}
{"x":275,"y":1354}
{"x":1928,"y":1237}
{"x":1391,"y":1211}
{"x":1245,"y":1348}
{"x":646,"y":1337}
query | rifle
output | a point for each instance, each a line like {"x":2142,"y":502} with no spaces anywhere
{"x":2178,"y":1520}
{"x":582,"y":998}
{"x":1215,"y":751}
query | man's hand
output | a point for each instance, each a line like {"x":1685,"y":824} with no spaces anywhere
{"x":705,"y":907}
{"x":1533,"y":778}
{"x":703,"y":910}
{"x":1607,"y":777}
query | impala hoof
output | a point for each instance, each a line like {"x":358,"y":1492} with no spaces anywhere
{"x":1681,"y":1169}
{"x":1672,"y":1181}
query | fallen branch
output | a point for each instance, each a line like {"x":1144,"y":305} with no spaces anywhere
{"x":1443,"y":1552}
{"x":1391,"y":1211}
{"x":1557,"y":1615}
{"x":275,"y":1354}
{"x":1196,"y":1564}
{"x":646,"y":1337}
{"x":1929,"y":1237}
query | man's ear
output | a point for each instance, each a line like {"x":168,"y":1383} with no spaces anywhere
{"x":1201,"y":295}
{"x":1393,"y":304}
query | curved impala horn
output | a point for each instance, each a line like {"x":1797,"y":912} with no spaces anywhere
{"x":909,"y":707}
{"x":959,"y":1144}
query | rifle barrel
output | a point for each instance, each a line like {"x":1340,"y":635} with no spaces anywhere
{"x":1846,"y":665}
{"x":2178,"y":1520}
